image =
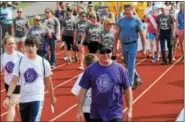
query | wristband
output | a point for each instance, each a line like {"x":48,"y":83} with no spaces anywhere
{"x":7,"y":96}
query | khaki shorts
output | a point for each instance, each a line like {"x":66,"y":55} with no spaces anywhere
{"x":20,"y":39}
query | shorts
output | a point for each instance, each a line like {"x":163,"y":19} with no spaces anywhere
{"x":31,"y":111}
{"x":69,"y":42}
{"x":181,"y":32}
{"x":152,"y":36}
{"x":20,"y":39}
{"x":16,"y":91}
{"x":6,"y":28}
{"x":93,"y":47}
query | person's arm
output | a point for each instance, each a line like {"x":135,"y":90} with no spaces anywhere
{"x":49,"y":85}
{"x":115,"y":43}
{"x":28,"y":25}
{"x":57,"y":29}
{"x":13,"y":29}
{"x":12,"y":86}
{"x":81,"y":99}
{"x":176,"y":25}
{"x":129,"y":100}
{"x":143,"y":40}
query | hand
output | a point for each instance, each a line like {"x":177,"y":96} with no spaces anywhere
{"x":144,"y":53}
{"x":129,"y":115}
{"x":58,"y":38}
{"x":79,"y":116}
{"x":53,"y":100}
{"x":6,"y":102}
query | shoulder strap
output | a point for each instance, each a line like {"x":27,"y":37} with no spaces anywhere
{"x":43,"y":66}
{"x":18,"y":55}
{"x":153,"y":21}
{"x":19,"y":66}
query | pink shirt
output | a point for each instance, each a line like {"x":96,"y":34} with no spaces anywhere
{"x":151,"y":28}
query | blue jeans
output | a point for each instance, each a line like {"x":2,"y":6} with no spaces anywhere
{"x":129,"y":53}
{"x":52,"y":44}
{"x":31,"y":111}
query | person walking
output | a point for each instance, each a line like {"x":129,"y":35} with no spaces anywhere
{"x":107,"y":79}
{"x":88,"y":59}
{"x":8,"y":61}
{"x":129,"y":29}
{"x":34,"y":74}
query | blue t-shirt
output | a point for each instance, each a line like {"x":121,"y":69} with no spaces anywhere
{"x":129,"y":28}
{"x":181,"y":20}
{"x":106,"y":83}
{"x":6,"y":13}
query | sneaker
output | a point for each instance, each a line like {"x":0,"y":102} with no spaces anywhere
{"x":157,"y":58}
{"x":174,"y":59}
{"x":65,"y":58}
{"x":81,"y":68}
{"x":153,"y":60}
{"x":136,"y":85}
{"x":52,"y":66}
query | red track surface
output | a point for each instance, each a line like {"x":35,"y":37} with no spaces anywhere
{"x":160,"y":97}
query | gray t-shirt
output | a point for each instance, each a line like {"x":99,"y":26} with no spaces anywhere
{"x":20,"y":24}
{"x":81,"y":27}
{"x":93,"y":32}
{"x":103,"y":15}
{"x":107,"y":37}
{"x":52,"y":23}
{"x":41,"y":32}
{"x":165,"y":21}
{"x":69,"y":25}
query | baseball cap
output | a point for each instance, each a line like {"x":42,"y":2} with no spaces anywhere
{"x":104,"y":49}
{"x":69,"y":9}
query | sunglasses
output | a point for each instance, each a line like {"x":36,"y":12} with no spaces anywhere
{"x":38,"y":20}
{"x":102,"y":52}
{"x":47,"y":12}
{"x":19,"y":11}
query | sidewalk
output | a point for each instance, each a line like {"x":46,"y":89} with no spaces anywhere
{"x":36,"y":8}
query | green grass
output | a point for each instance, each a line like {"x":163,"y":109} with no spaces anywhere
{"x":23,"y":4}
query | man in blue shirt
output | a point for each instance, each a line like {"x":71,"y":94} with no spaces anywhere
{"x":129,"y":29}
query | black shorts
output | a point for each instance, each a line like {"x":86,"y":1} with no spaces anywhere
{"x":93,"y":47}
{"x":16,"y":91}
{"x":69,"y":42}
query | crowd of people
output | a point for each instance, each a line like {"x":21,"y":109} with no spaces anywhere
{"x":92,"y":34}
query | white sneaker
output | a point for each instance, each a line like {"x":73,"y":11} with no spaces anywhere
{"x":81,"y":68}
{"x":65,"y":58}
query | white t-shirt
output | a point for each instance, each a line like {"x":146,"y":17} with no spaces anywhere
{"x":76,"y":89}
{"x":32,"y":78}
{"x":8,"y":63}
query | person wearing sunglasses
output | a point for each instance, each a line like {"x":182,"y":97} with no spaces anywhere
{"x":20,"y":26}
{"x":54,"y":27}
{"x":43,"y":33}
{"x":107,"y":79}
{"x":129,"y":29}
{"x":80,"y":29}
{"x":105,"y":13}
{"x":91,"y":10}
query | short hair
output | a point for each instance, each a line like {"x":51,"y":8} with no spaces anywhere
{"x":6,"y":38}
{"x":128,"y":6}
{"x":32,"y":40}
{"x":49,"y":10}
{"x":89,"y":59}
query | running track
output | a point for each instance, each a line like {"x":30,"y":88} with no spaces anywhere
{"x":160,"y":97}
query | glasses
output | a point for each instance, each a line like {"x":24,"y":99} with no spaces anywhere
{"x":105,"y":52}
{"x":47,"y":12}
{"x":19,"y":11}
{"x":38,"y":20}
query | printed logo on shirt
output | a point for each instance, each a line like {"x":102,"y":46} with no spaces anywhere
{"x":104,"y":83}
{"x":30,"y":75}
{"x":9,"y":67}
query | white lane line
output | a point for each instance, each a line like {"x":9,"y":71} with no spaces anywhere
{"x":158,"y":79}
{"x":73,"y":106}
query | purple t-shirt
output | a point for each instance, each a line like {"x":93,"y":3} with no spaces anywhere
{"x":106,"y":83}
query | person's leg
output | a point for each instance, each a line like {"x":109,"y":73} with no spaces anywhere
{"x":81,"y":56}
{"x":152,"y":38}
{"x":24,"y":111}
{"x":36,"y":111}
{"x":181,"y":41}
{"x":170,"y":45}
{"x":53,"y":43}
{"x":163,"y":51}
